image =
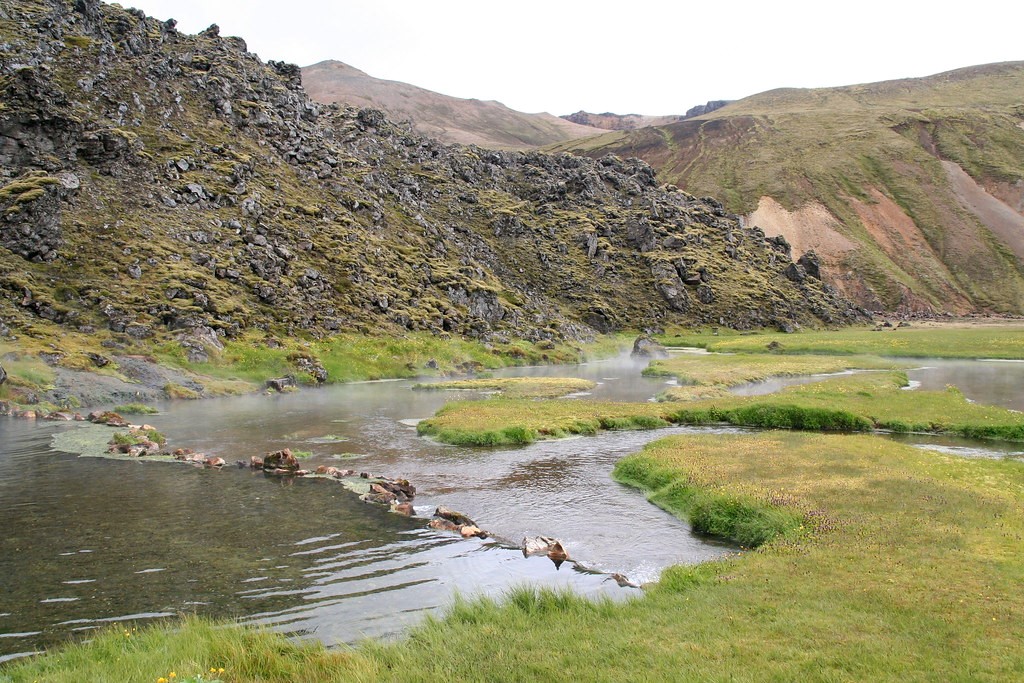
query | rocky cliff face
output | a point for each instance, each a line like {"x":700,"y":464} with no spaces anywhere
{"x":156,"y":185}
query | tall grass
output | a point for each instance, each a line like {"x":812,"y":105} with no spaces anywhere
{"x":123,"y":654}
{"x":948,"y":341}
{"x":848,"y":404}
{"x":731,"y":370}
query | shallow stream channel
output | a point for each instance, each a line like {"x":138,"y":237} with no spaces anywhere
{"x":91,"y":541}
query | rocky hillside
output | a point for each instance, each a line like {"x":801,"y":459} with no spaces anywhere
{"x":449,"y":119}
{"x":910,"y":192}
{"x":163,"y":189}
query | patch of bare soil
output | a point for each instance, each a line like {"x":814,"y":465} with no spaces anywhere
{"x":1004,"y":222}
{"x":811,"y":227}
{"x":904,"y":243}
{"x":1011,"y":194}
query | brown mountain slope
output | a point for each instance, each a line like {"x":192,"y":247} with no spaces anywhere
{"x":449,"y":119}
{"x":910,"y":191}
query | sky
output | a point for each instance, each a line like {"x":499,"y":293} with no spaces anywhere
{"x":631,"y":56}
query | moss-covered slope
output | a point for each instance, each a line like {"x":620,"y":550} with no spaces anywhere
{"x":159,"y":188}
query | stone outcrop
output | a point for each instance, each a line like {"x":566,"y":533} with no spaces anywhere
{"x":644,"y":347}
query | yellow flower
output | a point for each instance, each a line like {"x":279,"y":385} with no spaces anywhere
{"x":213,"y":670}
{"x":220,"y":670}
{"x":172,"y":675}
{"x":161,"y":680}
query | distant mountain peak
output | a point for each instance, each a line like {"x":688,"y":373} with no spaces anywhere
{"x":486,"y":123}
{"x":611,"y":121}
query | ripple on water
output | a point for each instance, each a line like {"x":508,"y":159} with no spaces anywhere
{"x":308,"y":556}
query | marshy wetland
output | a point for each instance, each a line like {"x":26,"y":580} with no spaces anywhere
{"x":875,"y":555}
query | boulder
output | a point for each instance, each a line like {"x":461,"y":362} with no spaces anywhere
{"x":454,"y":517}
{"x":401,"y":488}
{"x":470,"y":531}
{"x":403,"y":509}
{"x":280,"y":384}
{"x":545,"y":545}
{"x":539,"y":545}
{"x":443,"y":524}
{"x":378,"y":494}
{"x":282,"y":459}
{"x":108,"y":418}
{"x":811,"y":264}
{"x":557,"y":554}
{"x":645,"y":347}
{"x":3,"y":375}
{"x":796,"y":273}
{"x":214,"y":461}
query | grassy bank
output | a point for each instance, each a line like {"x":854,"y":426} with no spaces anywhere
{"x":509,"y":421}
{"x":849,"y":403}
{"x":353,"y":357}
{"x":731,"y":370}
{"x":861,"y":402}
{"x":514,"y":387}
{"x":244,"y":364}
{"x":907,"y":568}
{"x":191,"y":648}
{"x":931,"y":341}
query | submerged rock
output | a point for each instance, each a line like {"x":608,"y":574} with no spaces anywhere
{"x":455,"y":517}
{"x":545,"y":545}
{"x":109,"y":418}
{"x":378,"y":494}
{"x":403,"y":509}
{"x":283,"y":460}
{"x":443,"y":524}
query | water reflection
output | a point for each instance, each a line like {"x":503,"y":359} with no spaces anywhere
{"x":93,"y":541}
{"x":88,"y":542}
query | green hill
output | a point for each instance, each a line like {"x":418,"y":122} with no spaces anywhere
{"x":911,"y":192}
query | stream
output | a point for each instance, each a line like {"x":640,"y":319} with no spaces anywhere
{"x":91,"y":541}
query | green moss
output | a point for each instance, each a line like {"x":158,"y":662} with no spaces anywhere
{"x":78,"y":41}
{"x":135,"y":409}
{"x":27,"y":188}
{"x":177,"y":391}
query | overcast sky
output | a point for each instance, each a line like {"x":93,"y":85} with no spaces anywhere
{"x":631,"y":56}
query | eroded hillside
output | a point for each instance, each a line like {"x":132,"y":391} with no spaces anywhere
{"x":910,"y":192}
